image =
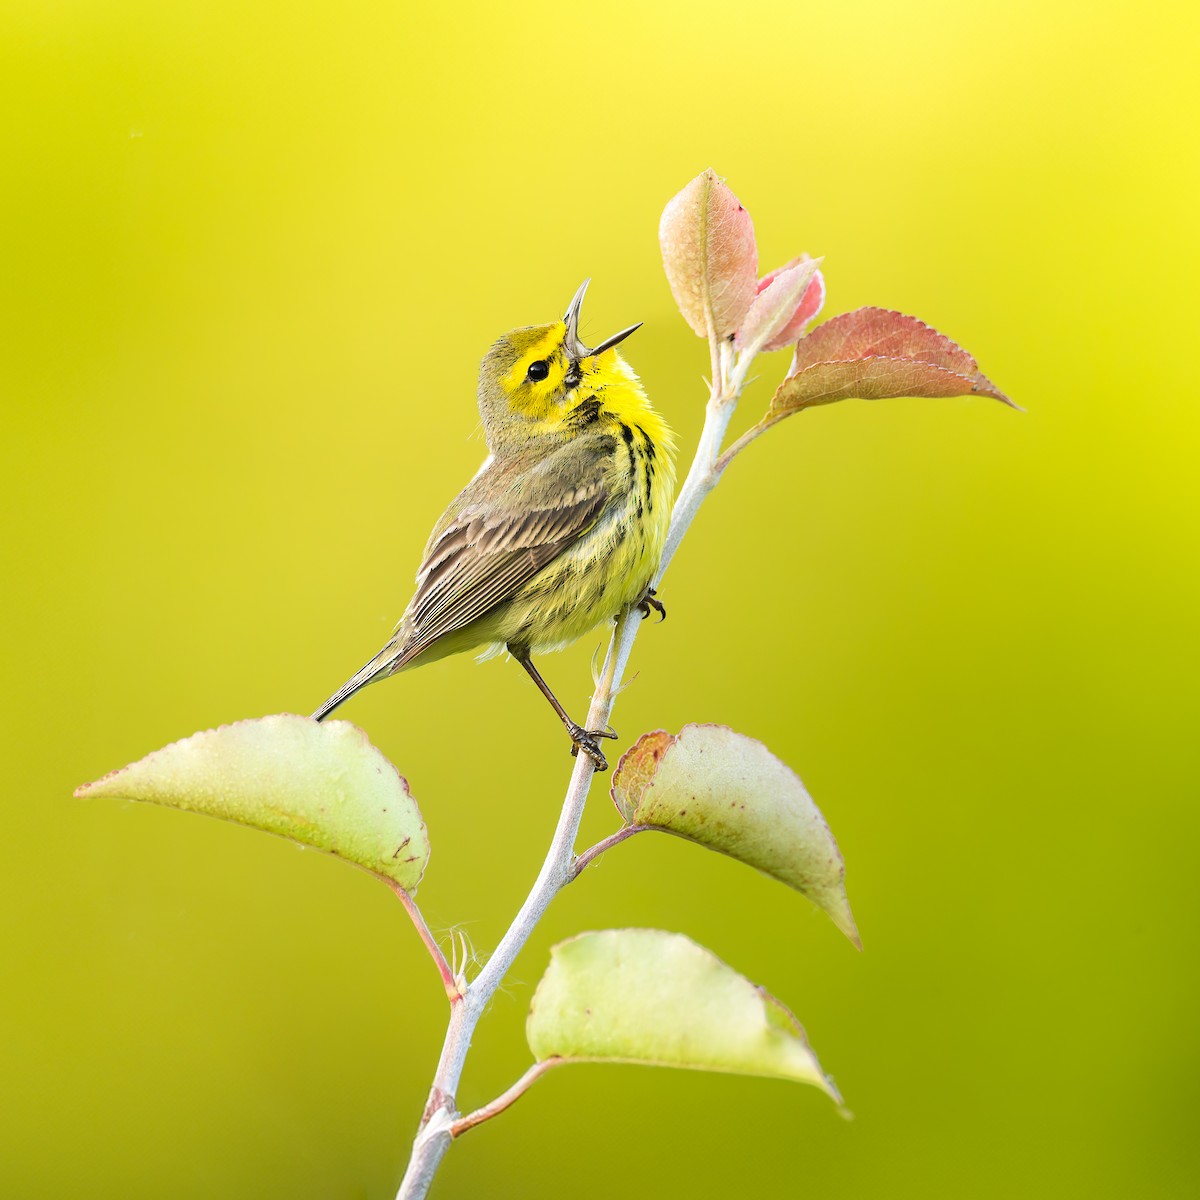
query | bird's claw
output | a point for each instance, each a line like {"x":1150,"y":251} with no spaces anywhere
{"x":649,"y":602}
{"x":588,"y":740}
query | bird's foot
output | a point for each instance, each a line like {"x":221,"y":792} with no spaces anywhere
{"x":648,"y":602}
{"x":588,"y":740}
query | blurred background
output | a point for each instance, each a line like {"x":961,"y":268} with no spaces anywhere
{"x":252,"y":255}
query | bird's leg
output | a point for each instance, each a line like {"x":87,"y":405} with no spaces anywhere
{"x":648,"y":602}
{"x":587,"y":740}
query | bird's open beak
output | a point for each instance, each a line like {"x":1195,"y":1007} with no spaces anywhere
{"x":576,"y":348}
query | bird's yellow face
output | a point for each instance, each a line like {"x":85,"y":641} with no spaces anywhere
{"x":533,"y":379}
{"x":544,"y":377}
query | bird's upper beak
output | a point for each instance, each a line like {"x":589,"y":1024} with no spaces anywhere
{"x":576,"y":348}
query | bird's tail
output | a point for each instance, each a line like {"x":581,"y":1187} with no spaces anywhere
{"x":380,"y":667}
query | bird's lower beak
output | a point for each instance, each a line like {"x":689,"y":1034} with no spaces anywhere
{"x":574,"y":346}
{"x":609,"y":343}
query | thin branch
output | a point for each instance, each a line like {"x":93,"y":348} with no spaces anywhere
{"x":434,"y":1136}
{"x":559,"y":867}
{"x":501,"y":1102}
{"x":594,"y":852}
{"x":449,"y":982}
{"x":556,"y":869}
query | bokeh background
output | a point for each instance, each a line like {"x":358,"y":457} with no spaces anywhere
{"x":252,"y":255}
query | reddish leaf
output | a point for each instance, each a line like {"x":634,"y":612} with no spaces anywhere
{"x":807,"y":312}
{"x":787,"y":301}
{"x":710,"y":256}
{"x":874,"y":354}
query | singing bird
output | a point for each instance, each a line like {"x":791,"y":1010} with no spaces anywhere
{"x":564,"y":524}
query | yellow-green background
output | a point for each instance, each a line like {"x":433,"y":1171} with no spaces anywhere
{"x":252,"y":253}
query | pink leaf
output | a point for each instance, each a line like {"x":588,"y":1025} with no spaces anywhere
{"x":787,"y":301}
{"x":874,"y":354}
{"x":808,"y":311}
{"x":710,"y":256}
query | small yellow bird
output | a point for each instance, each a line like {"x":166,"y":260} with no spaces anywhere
{"x":563,"y":526}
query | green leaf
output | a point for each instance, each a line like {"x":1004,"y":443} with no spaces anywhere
{"x":657,"y":998}
{"x":728,"y":792}
{"x":322,"y":785}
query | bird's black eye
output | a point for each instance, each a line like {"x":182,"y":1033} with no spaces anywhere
{"x":539,"y":370}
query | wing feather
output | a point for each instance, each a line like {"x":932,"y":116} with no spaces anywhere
{"x":484,"y":557}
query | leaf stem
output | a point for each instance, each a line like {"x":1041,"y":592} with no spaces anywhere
{"x":613,"y":839}
{"x":755,"y":431}
{"x":505,"y":1099}
{"x":453,"y":990}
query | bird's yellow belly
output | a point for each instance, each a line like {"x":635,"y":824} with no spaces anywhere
{"x":596,"y":579}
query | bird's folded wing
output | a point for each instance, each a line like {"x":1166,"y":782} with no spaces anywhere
{"x":488,"y":553}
